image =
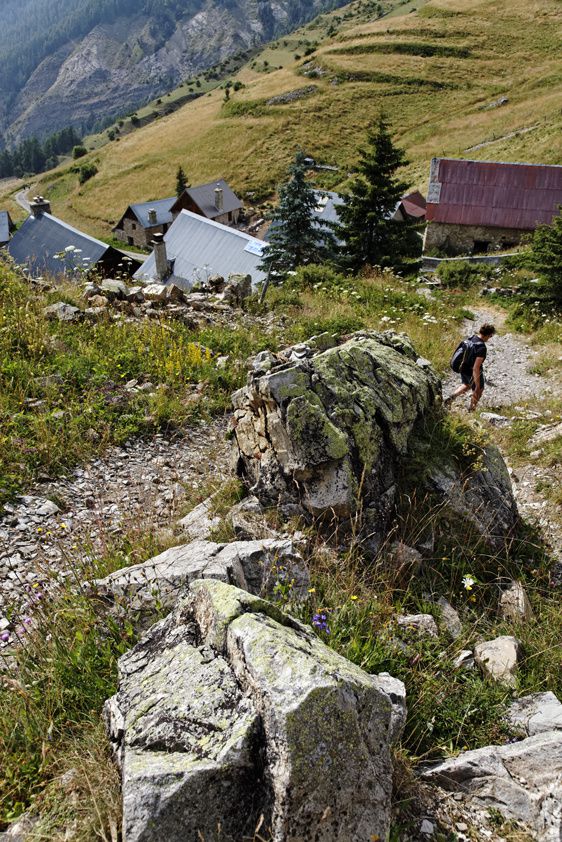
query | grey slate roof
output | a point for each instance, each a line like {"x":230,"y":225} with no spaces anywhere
{"x":40,"y":238}
{"x":6,"y":226}
{"x":204,"y":198}
{"x":198,"y":247}
{"x":326,"y":209}
{"x":163,"y":208}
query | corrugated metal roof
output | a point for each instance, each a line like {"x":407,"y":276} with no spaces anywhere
{"x":198,"y":247}
{"x":491,"y":194}
{"x":326,"y":209}
{"x":204,"y":198}
{"x":6,"y":226}
{"x":163,"y":208}
{"x":40,"y":238}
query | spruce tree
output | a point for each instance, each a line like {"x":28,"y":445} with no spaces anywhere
{"x":181,"y":181}
{"x":297,"y":237}
{"x":367,"y":232}
{"x":544,"y":258}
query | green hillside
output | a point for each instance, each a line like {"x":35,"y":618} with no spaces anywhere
{"x":439,"y":74}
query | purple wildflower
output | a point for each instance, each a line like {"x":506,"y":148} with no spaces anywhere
{"x":320,"y":620}
{"x":5,"y":636}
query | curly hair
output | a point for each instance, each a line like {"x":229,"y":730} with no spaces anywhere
{"x":487,"y":330}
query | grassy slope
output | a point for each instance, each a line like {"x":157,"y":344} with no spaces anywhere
{"x":512,"y":52}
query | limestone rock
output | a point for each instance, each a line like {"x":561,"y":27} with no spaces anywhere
{"x":174,"y":293}
{"x":155,"y":292}
{"x":498,"y":658}
{"x":248,"y":520}
{"x":423,"y":624}
{"x":514,"y":604}
{"x":113,"y":290}
{"x":404,"y":559}
{"x":238,"y":289}
{"x":63,"y":312}
{"x":200,"y":521}
{"x":229,"y":710}
{"x":255,"y":566}
{"x":327,"y":428}
{"x":135,"y":295}
{"x":484,"y":497}
{"x":536,"y":713}
{"x":450,"y":618}
{"x":522,"y":780}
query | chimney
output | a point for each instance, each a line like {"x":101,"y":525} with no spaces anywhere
{"x":219,"y":201}
{"x":160,"y":256}
{"x":152,"y":216}
{"x":39,"y":205}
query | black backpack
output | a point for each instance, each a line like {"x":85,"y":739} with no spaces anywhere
{"x":463,"y":357}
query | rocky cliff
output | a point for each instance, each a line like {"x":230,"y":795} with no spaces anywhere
{"x":126,"y":58}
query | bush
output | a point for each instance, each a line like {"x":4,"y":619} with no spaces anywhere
{"x":86,"y":172}
{"x":79,"y":152}
{"x":460,"y":273}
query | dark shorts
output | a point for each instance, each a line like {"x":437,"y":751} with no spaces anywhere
{"x":467,"y":379}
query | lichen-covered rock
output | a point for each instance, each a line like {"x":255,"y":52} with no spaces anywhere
{"x":324,"y":431}
{"x":229,"y":710}
{"x":536,"y":713}
{"x":255,"y":566}
{"x":514,"y":604}
{"x":499,"y":658}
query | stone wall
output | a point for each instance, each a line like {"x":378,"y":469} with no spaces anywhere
{"x":134,"y":234}
{"x":461,"y":239}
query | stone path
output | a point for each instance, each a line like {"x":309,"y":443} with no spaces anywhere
{"x":139,"y":487}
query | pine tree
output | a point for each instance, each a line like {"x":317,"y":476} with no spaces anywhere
{"x":367,"y":232}
{"x":181,"y":181}
{"x":297,"y":237}
{"x":544,"y":258}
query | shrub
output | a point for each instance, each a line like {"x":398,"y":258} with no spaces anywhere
{"x":79,"y":151}
{"x":460,"y":273}
{"x":86,"y":172}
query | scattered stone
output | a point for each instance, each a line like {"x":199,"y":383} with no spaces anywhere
{"x":423,"y":624}
{"x":136,"y":295}
{"x":155,"y":292}
{"x":404,"y":559}
{"x":248,"y":520}
{"x":258,"y":567}
{"x":498,"y":658}
{"x":238,"y":289}
{"x":91,"y":289}
{"x":522,"y":780}
{"x":450,"y":618}
{"x":63,"y":312}
{"x":495,"y":420}
{"x":291,"y":96}
{"x":427,"y":828}
{"x":200,"y":521}
{"x":174,"y":293}
{"x":514,"y":604}
{"x":546,"y":434}
{"x":114,"y":290}
{"x":536,"y":713}
{"x":228,"y":685}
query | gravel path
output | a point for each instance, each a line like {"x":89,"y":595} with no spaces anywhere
{"x":507,"y":367}
{"x":139,"y":487}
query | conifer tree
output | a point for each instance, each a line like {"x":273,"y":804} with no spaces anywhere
{"x":181,"y":181}
{"x":297,"y":236}
{"x":544,"y":257}
{"x":367,"y":232}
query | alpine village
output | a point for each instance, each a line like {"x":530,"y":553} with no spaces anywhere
{"x":281,"y":421}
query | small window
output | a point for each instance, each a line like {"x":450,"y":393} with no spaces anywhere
{"x":134,"y":226}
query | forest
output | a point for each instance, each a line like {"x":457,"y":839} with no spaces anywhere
{"x":33,"y":156}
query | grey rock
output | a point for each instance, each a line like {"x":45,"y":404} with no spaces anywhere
{"x":155,"y":292}
{"x":514,"y":604}
{"x":495,"y":420}
{"x":255,"y":566}
{"x":248,"y":520}
{"x":423,"y":624}
{"x":114,"y":290}
{"x":546,"y":434}
{"x":136,"y":295}
{"x":536,"y":713}
{"x":63,"y":312}
{"x":464,"y":659}
{"x":229,"y":710}
{"x":404,"y":559}
{"x":498,"y":658}
{"x":324,"y":433}
{"x":450,"y":618}
{"x":238,"y":289}
{"x":200,"y":521}
{"x":174,"y":293}
{"x":91,"y":289}
{"x":484,"y":497}
{"x":522,"y":780}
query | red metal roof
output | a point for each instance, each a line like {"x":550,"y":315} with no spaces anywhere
{"x":413,"y":204}
{"x":498,"y":195}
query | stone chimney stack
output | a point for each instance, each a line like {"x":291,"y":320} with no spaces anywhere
{"x":219,"y":199}
{"x":160,"y":256}
{"x":152,"y":216}
{"x":39,"y":205}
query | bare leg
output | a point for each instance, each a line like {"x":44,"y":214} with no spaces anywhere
{"x":461,"y":390}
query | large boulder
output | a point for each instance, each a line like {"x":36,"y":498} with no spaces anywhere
{"x":323,"y":430}
{"x":231,"y":714}
{"x":259,"y":567}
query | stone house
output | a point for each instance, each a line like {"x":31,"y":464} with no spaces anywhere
{"x":142,"y":221}
{"x":6,"y":227}
{"x":479,"y":206}
{"x":215,"y":201}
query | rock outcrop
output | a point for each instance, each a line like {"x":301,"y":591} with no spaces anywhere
{"x":323,"y":431}
{"x":230,"y":713}
{"x":258,"y":567}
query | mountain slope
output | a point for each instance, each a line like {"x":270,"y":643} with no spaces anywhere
{"x":69,"y":62}
{"x":439,"y":74}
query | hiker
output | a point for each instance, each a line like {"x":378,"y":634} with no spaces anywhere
{"x":468,"y":361}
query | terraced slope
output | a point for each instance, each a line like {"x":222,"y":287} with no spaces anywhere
{"x":439,"y":74}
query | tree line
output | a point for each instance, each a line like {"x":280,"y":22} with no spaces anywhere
{"x":33,"y":156}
